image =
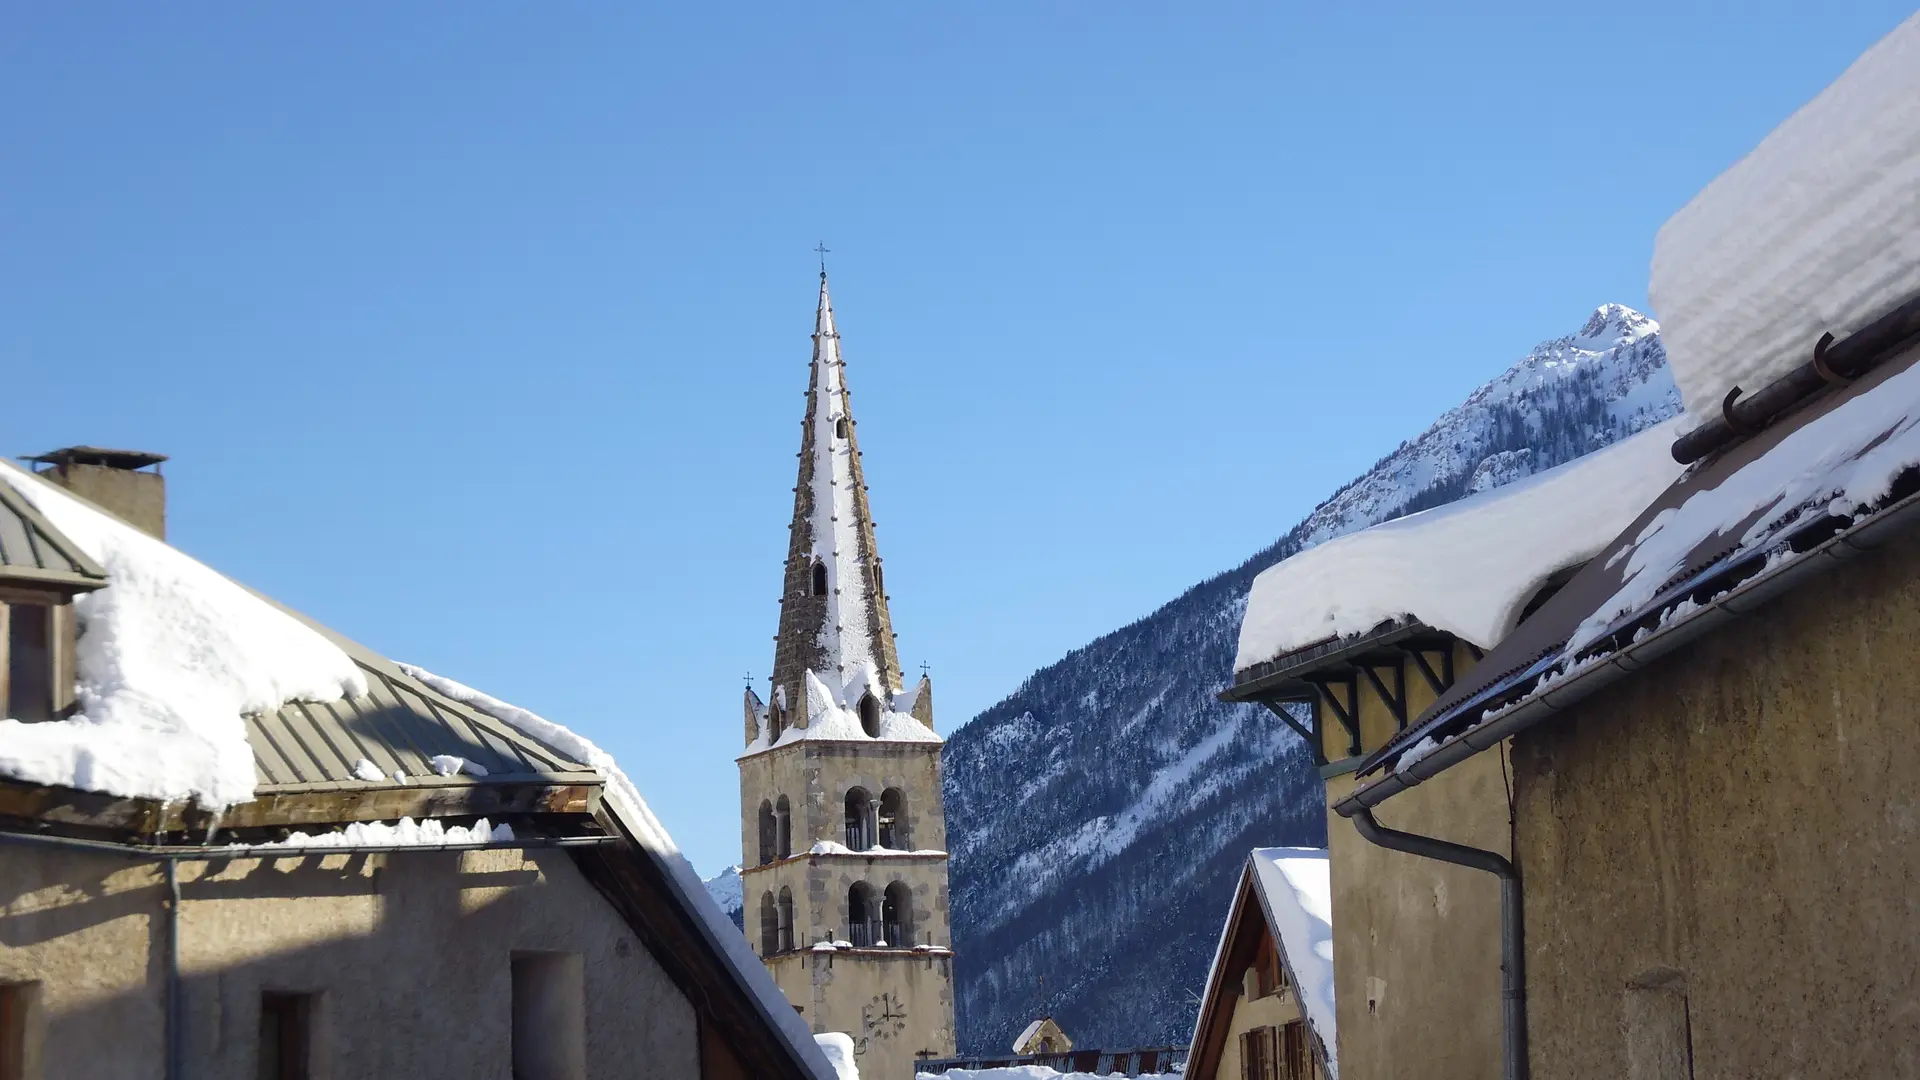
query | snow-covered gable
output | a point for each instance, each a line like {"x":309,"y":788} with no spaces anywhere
{"x":1816,"y":230}
{"x":1467,"y":568}
{"x":1296,"y":894}
{"x":171,"y":656}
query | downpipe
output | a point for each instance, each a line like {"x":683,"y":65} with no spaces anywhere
{"x":1513,"y":971}
{"x":175,"y":1007}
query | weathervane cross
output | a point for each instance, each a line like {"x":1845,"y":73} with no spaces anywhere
{"x":822,"y":248}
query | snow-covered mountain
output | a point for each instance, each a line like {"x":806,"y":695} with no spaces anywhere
{"x":725,"y":888}
{"x":1098,"y":817}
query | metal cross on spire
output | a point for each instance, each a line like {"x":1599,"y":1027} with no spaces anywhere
{"x":822,"y":248}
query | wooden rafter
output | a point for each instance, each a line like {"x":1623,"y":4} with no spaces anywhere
{"x":1347,"y":712}
{"x":1394,"y":697}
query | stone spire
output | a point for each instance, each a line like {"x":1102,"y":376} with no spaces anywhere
{"x":833,"y":613}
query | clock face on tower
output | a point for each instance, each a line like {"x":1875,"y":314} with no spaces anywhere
{"x":883,"y":1017}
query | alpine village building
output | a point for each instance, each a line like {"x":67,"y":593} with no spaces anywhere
{"x":843,"y":835}
{"x":1418,"y":971}
{"x":411,"y":880}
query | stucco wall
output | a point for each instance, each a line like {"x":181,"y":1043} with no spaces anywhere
{"x":894,"y":1003}
{"x":410,"y":954}
{"x":1741,"y":817}
{"x":1416,"y":942}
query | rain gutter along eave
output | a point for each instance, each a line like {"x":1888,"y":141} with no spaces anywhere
{"x":1739,"y":601}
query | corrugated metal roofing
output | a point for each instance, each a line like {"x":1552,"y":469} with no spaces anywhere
{"x":32,"y":551}
{"x":399,"y":726}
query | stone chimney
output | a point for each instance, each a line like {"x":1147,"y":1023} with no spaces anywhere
{"x":126,"y":483}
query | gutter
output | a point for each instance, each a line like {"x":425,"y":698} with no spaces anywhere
{"x":1513,"y":956}
{"x":1742,"y":600}
{"x":172,"y":855}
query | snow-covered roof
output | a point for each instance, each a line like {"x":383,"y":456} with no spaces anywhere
{"x":1468,"y":568}
{"x":173,"y":655}
{"x":1816,"y":230}
{"x":1296,"y":894}
{"x":1761,"y":512}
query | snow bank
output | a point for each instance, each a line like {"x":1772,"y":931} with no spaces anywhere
{"x":1816,"y":230}
{"x":403,"y":833}
{"x":834,"y":714}
{"x":834,"y":847}
{"x":1296,"y":886}
{"x":623,"y":800}
{"x":1845,"y":460}
{"x":171,"y":656}
{"x":1469,"y":567}
{"x":839,"y":1050}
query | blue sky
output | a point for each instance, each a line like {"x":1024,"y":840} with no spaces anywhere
{"x":479,"y":331}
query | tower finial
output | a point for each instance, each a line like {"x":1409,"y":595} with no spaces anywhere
{"x":822,"y":248}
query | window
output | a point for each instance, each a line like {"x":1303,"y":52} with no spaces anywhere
{"x":893,"y":819}
{"x":819,"y":578}
{"x":896,"y":916}
{"x":29,"y":685}
{"x":840,"y":427}
{"x":769,"y":925}
{"x":1259,"y":1057}
{"x":286,"y":1036}
{"x":1295,"y":1061}
{"x":861,"y":915}
{"x":783,"y":822}
{"x":549,"y":1017}
{"x":786,"y":919}
{"x":859,"y":819}
{"x":870,"y":715}
{"x":768,"y":833}
{"x":776,"y":723}
{"x":19,"y":1031}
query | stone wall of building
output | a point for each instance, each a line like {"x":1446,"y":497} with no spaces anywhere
{"x":409,"y":956}
{"x":1725,"y":847}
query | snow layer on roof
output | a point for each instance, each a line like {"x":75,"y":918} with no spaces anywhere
{"x":835,"y":714}
{"x":838,"y":1046}
{"x":1027,"y":1034}
{"x":1816,"y":230}
{"x":403,"y":833}
{"x":171,"y":656}
{"x":1844,"y":462}
{"x":1297,"y":895}
{"x":623,"y":801}
{"x":1469,"y":567}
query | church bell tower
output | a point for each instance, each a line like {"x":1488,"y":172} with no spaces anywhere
{"x":843,"y":836}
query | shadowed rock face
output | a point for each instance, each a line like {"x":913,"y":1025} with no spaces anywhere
{"x":1098,"y":815}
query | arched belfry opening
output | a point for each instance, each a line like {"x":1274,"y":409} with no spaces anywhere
{"x":893,"y":819}
{"x":870,"y":715}
{"x":819,"y":578}
{"x":767,"y":832}
{"x":784,"y":920}
{"x":769,"y":926}
{"x":896,"y":916}
{"x":783,"y":827}
{"x":863,"y":916}
{"x":840,"y":428}
{"x":859,"y":819}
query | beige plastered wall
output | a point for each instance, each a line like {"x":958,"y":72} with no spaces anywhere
{"x":1417,"y":942}
{"x":1739,"y":819}
{"x":410,"y":955}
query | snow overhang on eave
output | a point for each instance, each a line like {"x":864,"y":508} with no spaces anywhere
{"x":1284,"y":677}
{"x":1843,"y":546}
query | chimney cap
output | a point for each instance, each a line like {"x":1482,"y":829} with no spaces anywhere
{"x":130,"y":460}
